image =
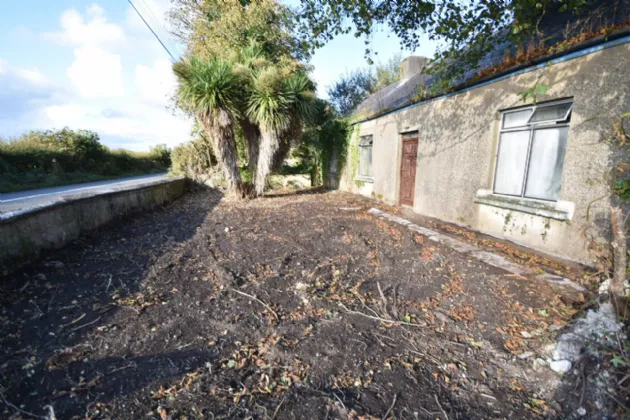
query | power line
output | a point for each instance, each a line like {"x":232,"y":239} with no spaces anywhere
{"x":151,"y":29}
{"x":160,"y":25}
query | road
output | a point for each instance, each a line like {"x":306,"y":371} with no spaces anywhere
{"x":26,"y":199}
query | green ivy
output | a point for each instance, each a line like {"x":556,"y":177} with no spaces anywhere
{"x":353,"y":149}
{"x":622,"y":189}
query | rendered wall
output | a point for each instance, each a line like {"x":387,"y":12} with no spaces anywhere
{"x":458,"y":137}
{"x":23,"y":235}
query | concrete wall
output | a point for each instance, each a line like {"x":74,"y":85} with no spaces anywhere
{"x":24,"y":234}
{"x":458,"y":138}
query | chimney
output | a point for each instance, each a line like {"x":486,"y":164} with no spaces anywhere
{"x":412,"y":65}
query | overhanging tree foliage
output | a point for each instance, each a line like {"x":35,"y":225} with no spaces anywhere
{"x":466,"y":29}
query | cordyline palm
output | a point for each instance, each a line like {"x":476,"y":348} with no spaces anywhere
{"x":277,"y":105}
{"x":300,"y":93}
{"x":209,"y":89}
{"x":250,"y":59}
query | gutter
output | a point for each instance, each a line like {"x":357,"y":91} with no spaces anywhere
{"x":587,"y":47}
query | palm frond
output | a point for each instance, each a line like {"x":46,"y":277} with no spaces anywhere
{"x":268,"y":104}
{"x":253,"y":55}
{"x":300,"y":93}
{"x":207,"y":86}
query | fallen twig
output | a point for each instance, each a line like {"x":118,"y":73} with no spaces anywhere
{"x":51,"y":301}
{"x":383,"y":298}
{"x":19,"y":409}
{"x":391,"y":407}
{"x":616,"y":400}
{"x":275,"y":413}
{"x":376,"y":318}
{"x":85,"y":325}
{"x":440,"y":405}
{"x":433,"y":359}
{"x":258,"y":300}
{"x":74,"y":322}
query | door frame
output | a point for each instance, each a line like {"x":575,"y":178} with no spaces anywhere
{"x":413,"y":138}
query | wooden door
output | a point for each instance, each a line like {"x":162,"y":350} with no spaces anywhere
{"x":408,"y":170}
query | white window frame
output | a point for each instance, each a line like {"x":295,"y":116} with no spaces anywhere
{"x":362,"y":146}
{"x":531,"y":127}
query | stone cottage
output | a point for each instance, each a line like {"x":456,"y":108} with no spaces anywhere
{"x":536,"y":169}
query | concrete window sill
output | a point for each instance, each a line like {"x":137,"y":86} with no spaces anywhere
{"x":364,"y":179}
{"x":559,"y":210}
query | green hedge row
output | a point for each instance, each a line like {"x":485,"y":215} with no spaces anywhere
{"x":47,"y":158}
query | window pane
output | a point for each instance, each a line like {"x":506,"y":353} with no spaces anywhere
{"x":545,"y":165}
{"x":369,"y":160}
{"x":550,"y":113}
{"x":516,"y":119}
{"x":511,"y":163}
{"x":363,"y":167}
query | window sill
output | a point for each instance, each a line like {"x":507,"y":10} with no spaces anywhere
{"x":364,"y":179}
{"x":560,"y":210}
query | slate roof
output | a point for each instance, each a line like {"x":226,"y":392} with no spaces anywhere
{"x":557,"y":28}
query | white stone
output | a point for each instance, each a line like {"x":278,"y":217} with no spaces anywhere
{"x":581,"y":411}
{"x":560,"y":366}
{"x":604,"y":287}
{"x":601,"y":326}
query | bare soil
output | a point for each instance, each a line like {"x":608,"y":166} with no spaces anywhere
{"x":296,"y":306}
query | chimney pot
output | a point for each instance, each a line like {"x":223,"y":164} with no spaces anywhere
{"x":412,"y":65}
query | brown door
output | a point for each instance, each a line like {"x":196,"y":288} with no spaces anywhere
{"x":408,"y":170}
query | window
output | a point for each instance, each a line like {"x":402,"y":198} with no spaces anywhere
{"x":531,"y":151}
{"x":365,"y":157}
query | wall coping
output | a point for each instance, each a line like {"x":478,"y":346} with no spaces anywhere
{"x":12,"y":216}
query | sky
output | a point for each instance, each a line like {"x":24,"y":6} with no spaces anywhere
{"x":94,"y":65}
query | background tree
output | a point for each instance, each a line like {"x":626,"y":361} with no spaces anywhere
{"x":352,"y":88}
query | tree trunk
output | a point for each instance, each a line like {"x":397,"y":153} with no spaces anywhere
{"x":281,"y":154}
{"x":293,"y":133}
{"x":269,"y":143}
{"x":220,"y":129}
{"x":619,"y":256}
{"x":252,"y":137}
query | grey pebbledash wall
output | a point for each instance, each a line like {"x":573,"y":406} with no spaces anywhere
{"x":24,"y":234}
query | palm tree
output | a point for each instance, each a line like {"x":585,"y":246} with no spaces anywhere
{"x":277,"y":104}
{"x":300,"y":92}
{"x":250,"y":58}
{"x":212,"y":92}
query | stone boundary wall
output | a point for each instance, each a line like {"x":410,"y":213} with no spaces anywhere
{"x":25,"y":233}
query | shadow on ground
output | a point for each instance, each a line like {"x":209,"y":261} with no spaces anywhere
{"x":51,"y":308}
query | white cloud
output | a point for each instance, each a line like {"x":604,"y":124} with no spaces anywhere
{"x":156,"y":83}
{"x":118,"y":89}
{"x":94,"y":31}
{"x":143,"y":125}
{"x":96,"y":72}
{"x":32,"y":76}
{"x":23,"y":93}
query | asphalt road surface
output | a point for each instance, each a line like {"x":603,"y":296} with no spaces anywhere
{"x":26,"y":199}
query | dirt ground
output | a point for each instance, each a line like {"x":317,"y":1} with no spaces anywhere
{"x":296,"y":306}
